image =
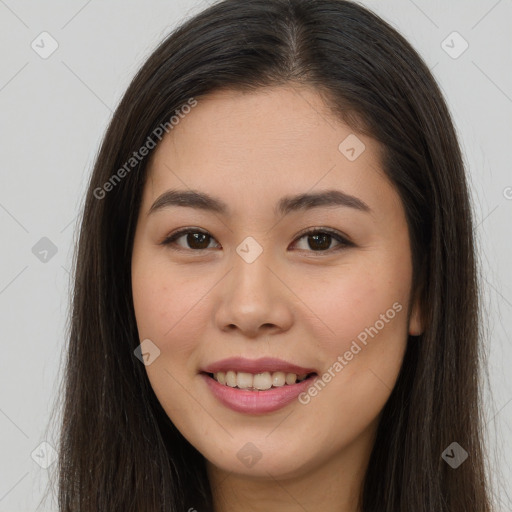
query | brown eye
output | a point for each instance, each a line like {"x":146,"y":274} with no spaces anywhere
{"x":193,"y":238}
{"x":320,"y":240}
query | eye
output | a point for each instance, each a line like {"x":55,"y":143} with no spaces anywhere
{"x":318,"y":240}
{"x":198,"y":239}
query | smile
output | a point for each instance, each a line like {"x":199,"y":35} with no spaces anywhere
{"x":251,"y":400}
{"x":259,"y":381}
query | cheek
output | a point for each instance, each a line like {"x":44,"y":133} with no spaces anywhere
{"x":166,"y":306}
{"x":166,"y":309}
{"x":366,"y":312}
{"x":365,"y":306}
{"x":359,"y":298}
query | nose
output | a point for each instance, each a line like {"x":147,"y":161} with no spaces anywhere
{"x":253,"y":299}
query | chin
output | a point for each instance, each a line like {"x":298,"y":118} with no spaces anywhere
{"x":259,"y":460}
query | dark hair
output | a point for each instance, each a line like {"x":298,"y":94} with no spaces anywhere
{"x":118,"y":448}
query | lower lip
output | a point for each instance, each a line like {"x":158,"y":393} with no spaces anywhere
{"x":256,"y":402}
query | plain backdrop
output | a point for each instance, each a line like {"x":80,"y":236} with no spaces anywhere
{"x":54,"y":112}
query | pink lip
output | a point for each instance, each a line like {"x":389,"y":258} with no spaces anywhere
{"x":265,"y":364}
{"x":256,"y":402}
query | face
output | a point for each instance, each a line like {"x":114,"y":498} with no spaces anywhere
{"x":321,"y":284}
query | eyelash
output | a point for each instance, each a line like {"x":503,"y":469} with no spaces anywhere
{"x":344,"y":242}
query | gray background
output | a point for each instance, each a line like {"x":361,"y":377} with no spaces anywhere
{"x":54,"y":113}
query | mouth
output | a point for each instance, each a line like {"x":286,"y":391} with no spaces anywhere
{"x":257,"y":386}
{"x":259,"y":393}
{"x":263,"y":381}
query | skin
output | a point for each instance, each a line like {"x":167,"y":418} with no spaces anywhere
{"x":293,"y":302}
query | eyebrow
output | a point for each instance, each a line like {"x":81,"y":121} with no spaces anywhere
{"x":287,"y":204}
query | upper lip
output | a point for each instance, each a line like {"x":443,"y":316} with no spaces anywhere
{"x":264,"y":364}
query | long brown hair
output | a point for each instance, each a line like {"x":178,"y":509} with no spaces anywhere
{"x":118,"y":449}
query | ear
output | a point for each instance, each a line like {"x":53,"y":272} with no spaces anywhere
{"x":416,"y":326}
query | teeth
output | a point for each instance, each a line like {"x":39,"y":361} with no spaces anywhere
{"x":278,"y":379}
{"x":231,"y":379}
{"x":243,"y":380}
{"x":291,"y":378}
{"x":260,"y":381}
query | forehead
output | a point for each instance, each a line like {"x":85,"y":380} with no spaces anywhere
{"x":280,"y":121}
{"x":283,"y":139}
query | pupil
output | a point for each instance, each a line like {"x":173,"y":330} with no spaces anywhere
{"x":325,"y":245}
{"x":197,"y":238}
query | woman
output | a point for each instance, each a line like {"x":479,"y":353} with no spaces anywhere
{"x":275,"y":302}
